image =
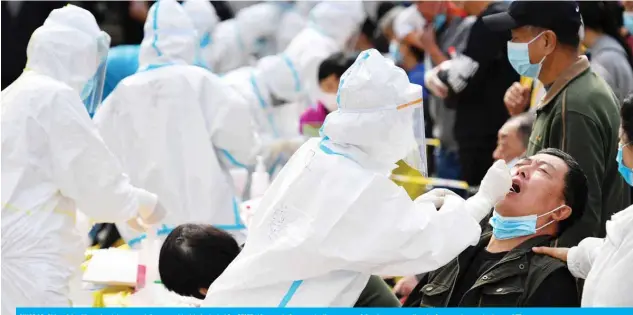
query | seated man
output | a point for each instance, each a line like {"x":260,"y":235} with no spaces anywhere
{"x":194,"y":255}
{"x":549,"y":193}
{"x":513,"y":137}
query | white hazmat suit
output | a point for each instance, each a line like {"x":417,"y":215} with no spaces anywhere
{"x":332,"y":217}
{"x":238,"y":39}
{"x":606,"y":264}
{"x":54,"y":161}
{"x":257,"y":25}
{"x":293,"y":20}
{"x":169,"y":123}
{"x":205,"y":19}
{"x":294,"y":75}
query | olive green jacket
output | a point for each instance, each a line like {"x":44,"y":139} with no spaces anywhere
{"x":580,"y":115}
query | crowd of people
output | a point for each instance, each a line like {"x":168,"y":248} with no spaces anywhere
{"x":144,"y":116}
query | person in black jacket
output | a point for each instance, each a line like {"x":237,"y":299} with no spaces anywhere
{"x":474,"y":83}
{"x":549,"y":194}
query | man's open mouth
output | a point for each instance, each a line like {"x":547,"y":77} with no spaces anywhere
{"x":515,"y":188}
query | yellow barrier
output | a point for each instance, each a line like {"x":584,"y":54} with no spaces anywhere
{"x":431,"y":181}
{"x":432,"y":142}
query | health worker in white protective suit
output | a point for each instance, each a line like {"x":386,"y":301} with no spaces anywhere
{"x":333,"y":217}
{"x":205,"y":19}
{"x":331,"y":28}
{"x":293,"y":20}
{"x":237,"y":40}
{"x":170,"y":123}
{"x":54,"y":161}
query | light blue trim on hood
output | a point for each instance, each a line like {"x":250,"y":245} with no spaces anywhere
{"x":295,"y":74}
{"x":155,"y":29}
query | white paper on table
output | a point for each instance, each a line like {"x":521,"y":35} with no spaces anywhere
{"x":113,"y":267}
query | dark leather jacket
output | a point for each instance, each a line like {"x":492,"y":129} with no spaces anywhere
{"x":510,"y":282}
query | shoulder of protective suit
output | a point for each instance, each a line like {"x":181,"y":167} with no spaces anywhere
{"x":48,"y":88}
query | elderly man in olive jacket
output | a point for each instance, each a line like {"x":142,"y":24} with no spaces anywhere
{"x":579,"y":113}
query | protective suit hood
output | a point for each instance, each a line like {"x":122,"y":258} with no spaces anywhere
{"x":375,"y":113}
{"x":170,"y":36}
{"x":204,"y":18}
{"x":339,"y":20}
{"x":65,"y":47}
{"x":256,"y":23}
{"x":202,"y":14}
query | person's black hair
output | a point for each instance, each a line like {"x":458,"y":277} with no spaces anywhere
{"x":368,"y":28}
{"x":525,"y":121}
{"x":575,"y":191}
{"x":193,"y":256}
{"x":336,"y":64}
{"x":606,"y":17}
{"x":626,"y":115}
{"x":572,"y":41}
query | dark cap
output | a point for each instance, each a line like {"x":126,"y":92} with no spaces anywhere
{"x":561,"y":17}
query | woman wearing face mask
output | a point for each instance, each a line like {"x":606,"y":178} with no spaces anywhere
{"x":609,"y":53}
{"x":330,"y":72}
{"x":606,"y":263}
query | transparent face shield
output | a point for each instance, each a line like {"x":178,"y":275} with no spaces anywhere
{"x":416,"y":157}
{"x":92,"y":92}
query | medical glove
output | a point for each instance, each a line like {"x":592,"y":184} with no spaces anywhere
{"x":433,"y":83}
{"x":147,"y":217}
{"x":494,"y":187}
{"x":456,"y":73}
{"x":436,"y":196}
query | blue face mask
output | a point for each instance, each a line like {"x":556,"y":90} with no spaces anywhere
{"x":504,"y":228}
{"x":519,"y":57}
{"x":394,"y":52}
{"x":628,"y":21}
{"x":439,"y":21}
{"x":626,"y":172}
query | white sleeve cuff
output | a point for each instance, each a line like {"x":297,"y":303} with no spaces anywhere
{"x":146,"y":203}
{"x":574,"y":263}
{"x":478,"y":207}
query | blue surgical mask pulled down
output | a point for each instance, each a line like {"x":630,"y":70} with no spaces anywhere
{"x":394,"y":52}
{"x":439,"y":21}
{"x":519,"y":57}
{"x":626,"y":172}
{"x":628,"y":21}
{"x":504,"y":228}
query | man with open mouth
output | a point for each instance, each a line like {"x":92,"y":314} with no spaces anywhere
{"x":548,"y":195}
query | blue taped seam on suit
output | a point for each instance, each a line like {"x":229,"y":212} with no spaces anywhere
{"x":329,"y":151}
{"x":264,"y":105}
{"x":291,"y":292}
{"x":205,"y":40}
{"x":232,"y":159}
{"x":338,"y":92}
{"x":165,"y":230}
{"x":273,"y":167}
{"x":238,"y":223}
{"x":295,"y":74}
{"x":155,"y":29}
{"x":155,"y":66}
